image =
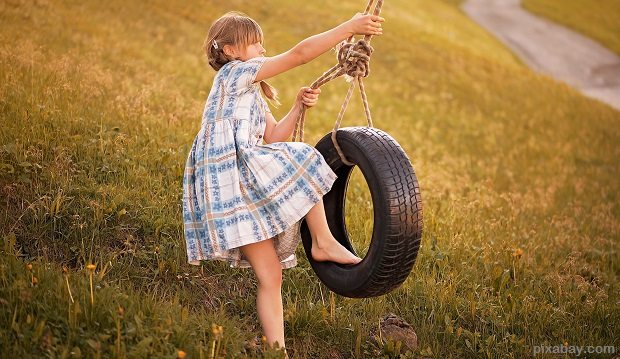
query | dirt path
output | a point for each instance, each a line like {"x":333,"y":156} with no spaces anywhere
{"x":551,"y":48}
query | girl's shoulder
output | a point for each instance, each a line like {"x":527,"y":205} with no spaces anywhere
{"x":239,"y":67}
{"x":238,"y":76}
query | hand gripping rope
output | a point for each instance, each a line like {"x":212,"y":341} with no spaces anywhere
{"x":353,"y":62}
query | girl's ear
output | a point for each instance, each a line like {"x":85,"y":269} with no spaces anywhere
{"x":230,"y":51}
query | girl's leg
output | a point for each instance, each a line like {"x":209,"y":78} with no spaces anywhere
{"x":324,"y":246}
{"x":266,"y":265}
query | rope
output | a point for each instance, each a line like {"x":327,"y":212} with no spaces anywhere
{"x":353,"y":62}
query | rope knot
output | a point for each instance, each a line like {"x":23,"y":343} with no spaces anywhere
{"x":353,"y":62}
{"x":354,"y":57}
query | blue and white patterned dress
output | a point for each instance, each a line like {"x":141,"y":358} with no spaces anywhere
{"x":237,"y":190}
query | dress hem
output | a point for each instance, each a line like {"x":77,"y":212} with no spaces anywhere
{"x":241,"y":263}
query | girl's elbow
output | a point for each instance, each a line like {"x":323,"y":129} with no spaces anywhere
{"x":300,"y":55}
{"x":267,"y":137}
{"x":273,"y":139}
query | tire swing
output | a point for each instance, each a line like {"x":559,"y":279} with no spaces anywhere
{"x":394,"y":188}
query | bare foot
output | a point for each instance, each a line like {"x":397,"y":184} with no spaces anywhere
{"x":331,"y":250}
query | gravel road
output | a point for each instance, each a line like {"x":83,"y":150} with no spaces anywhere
{"x":550,"y":48}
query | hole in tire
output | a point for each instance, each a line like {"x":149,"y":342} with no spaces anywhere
{"x":359,"y":214}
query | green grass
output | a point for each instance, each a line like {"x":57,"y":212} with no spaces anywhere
{"x":99,"y":105}
{"x":598,"y":19}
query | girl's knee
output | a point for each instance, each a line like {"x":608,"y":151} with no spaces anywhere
{"x":265,"y":262}
{"x":270,"y":276}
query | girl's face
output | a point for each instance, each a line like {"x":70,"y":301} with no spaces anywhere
{"x":251,"y":51}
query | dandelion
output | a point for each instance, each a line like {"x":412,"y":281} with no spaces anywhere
{"x":33,"y":279}
{"x":121,"y":311}
{"x":517,"y":253}
{"x":181,"y":354}
{"x":91,"y":268}
{"x":217,"y":331}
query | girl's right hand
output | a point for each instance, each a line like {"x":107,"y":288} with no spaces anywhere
{"x":366,"y":24}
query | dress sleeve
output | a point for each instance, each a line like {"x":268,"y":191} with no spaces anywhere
{"x":243,"y":73}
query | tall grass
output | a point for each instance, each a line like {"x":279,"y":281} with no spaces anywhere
{"x":100,"y":102}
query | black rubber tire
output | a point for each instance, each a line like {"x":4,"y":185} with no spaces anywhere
{"x":397,"y":213}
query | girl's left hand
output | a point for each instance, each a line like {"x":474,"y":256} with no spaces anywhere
{"x":308,"y":96}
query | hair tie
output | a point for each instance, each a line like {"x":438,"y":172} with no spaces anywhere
{"x":215,"y":44}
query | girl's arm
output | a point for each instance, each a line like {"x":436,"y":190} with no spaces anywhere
{"x":312,"y":47}
{"x":282,"y":130}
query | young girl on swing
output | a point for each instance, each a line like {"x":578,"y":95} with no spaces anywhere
{"x":243,"y":200}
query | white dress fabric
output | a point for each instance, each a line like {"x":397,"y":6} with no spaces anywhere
{"x":237,"y":190}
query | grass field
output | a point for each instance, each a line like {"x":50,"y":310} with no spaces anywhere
{"x":598,"y":19}
{"x":99,"y":104}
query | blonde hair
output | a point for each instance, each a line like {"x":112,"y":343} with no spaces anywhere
{"x":237,"y":30}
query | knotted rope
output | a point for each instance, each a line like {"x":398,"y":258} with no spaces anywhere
{"x":353,"y":62}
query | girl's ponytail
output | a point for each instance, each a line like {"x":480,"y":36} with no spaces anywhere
{"x":270,"y":92}
{"x":217,"y":57}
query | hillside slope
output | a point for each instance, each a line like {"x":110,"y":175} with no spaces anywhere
{"x":99,"y":104}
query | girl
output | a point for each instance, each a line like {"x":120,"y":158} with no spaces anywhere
{"x":243,"y":200}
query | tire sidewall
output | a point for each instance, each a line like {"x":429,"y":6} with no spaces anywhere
{"x":350,"y":280}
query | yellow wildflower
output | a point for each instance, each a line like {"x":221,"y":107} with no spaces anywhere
{"x":517,"y":253}
{"x":217,"y":330}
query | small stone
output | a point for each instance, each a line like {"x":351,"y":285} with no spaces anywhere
{"x":396,"y":329}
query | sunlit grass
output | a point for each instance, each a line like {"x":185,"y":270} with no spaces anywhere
{"x":359,"y":213}
{"x":598,"y":19}
{"x":99,"y":107}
